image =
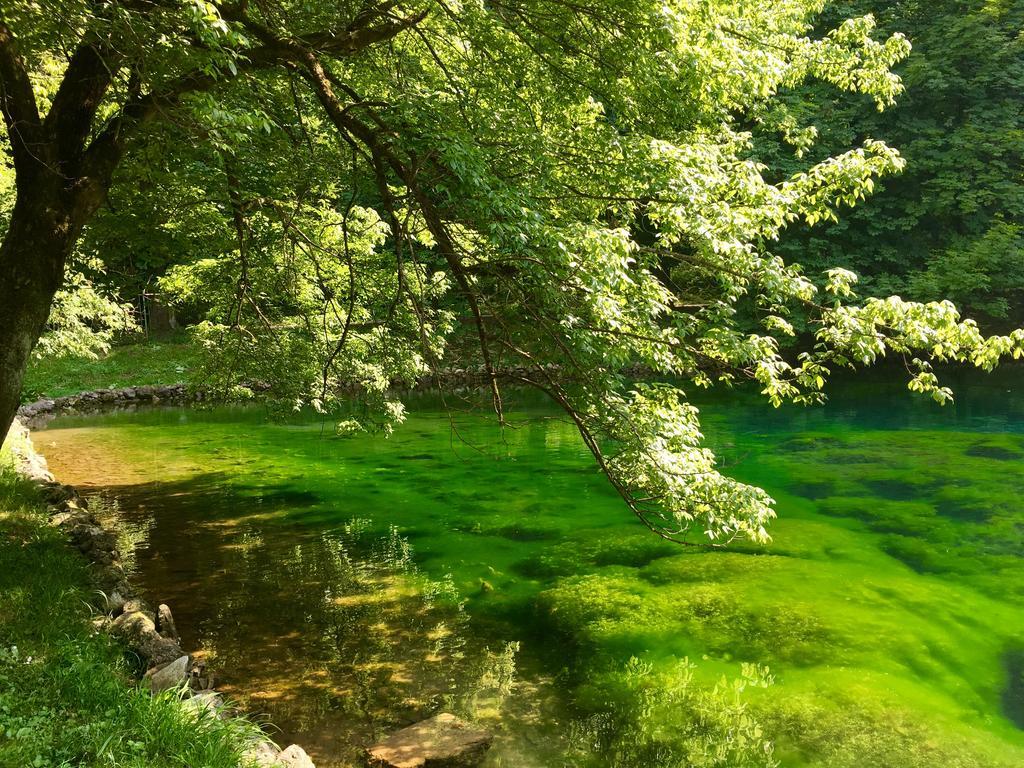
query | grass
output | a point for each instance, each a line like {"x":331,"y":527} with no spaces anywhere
{"x":66,"y":697}
{"x":167,"y":361}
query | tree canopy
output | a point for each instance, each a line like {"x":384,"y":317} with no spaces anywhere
{"x":353,"y":194}
{"x":950,"y":225}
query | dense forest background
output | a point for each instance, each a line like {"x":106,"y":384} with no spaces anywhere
{"x":950,"y":225}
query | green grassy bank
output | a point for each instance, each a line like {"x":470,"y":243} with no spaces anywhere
{"x":66,"y":694}
{"x":166,"y":361}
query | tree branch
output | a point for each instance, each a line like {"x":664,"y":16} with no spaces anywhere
{"x":18,"y":103}
{"x":89,"y":74}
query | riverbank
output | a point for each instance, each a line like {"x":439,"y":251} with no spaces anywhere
{"x":149,"y":640}
{"x":887,"y":610}
{"x":67,"y":690}
{"x":156,"y":362}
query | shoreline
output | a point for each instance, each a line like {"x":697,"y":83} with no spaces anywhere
{"x":121,"y":612}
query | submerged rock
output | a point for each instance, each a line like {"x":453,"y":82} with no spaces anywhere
{"x":443,"y":740}
{"x":294,"y":757}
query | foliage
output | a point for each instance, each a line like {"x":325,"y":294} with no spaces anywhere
{"x":83,"y":321}
{"x":949,"y":224}
{"x":513,"y":185}
{"x":287,"y":283}
{"x":985,"y":272}
{"x":86,"y":315}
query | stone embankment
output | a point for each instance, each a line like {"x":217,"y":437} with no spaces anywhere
{"x":35,"y":415}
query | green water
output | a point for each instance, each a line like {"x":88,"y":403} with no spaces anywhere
{"x":346,"y":587}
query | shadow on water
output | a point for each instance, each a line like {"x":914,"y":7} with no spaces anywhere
{"x":1013,"y":693}
{"x":330,"y":632}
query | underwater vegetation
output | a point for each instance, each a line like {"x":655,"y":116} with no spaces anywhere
{"x":882,"y":627}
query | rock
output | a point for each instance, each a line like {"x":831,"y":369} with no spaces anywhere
{"x":200,"y":677}
{"x":133,"y":625}
{"x":205,"y":703}
{"x":74,"y":506}
{"x":262,"y":754}
{"x":140,"y":605}
{"x":165,"y":623}
{"x":136,"y":630}
{"x":170,"y":675}
{"x":114,"y":603}
{"x":294,"y":757}
{"x":56,"y":493}
{"x":61,"y":518}
{"x":92,"y":539}
{"x":102,"y":557}
{"x":160,"y":650}
{"x":110,"y":579}
{"x":33,"y":467}
{"x":443,"y":740}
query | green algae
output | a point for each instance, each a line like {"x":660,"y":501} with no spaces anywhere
{"x":888,"y":607}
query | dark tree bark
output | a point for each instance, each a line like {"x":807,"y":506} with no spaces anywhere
{"x":54,"y":198}
{"x":32,"y":259}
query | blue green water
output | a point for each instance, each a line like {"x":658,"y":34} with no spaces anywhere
{"x":345,"y":587}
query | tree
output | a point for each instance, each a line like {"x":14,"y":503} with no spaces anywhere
{"x":949,"y":224}
{"x":568,"y":185}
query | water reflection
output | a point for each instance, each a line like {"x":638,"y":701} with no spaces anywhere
{"x":335,"y":636}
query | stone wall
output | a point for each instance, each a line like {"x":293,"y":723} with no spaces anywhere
{"x":35,"y":415}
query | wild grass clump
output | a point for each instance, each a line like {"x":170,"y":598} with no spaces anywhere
{"x":66,"y":698}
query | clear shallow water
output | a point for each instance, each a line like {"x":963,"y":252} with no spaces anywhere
{"x":347,"y":587}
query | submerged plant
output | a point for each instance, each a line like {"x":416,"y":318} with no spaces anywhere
{"x":666,"y":717}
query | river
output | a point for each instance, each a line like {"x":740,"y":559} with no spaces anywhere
{"x":345,"y":587}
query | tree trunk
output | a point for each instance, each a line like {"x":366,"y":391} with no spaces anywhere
{"x":32,"y":259}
